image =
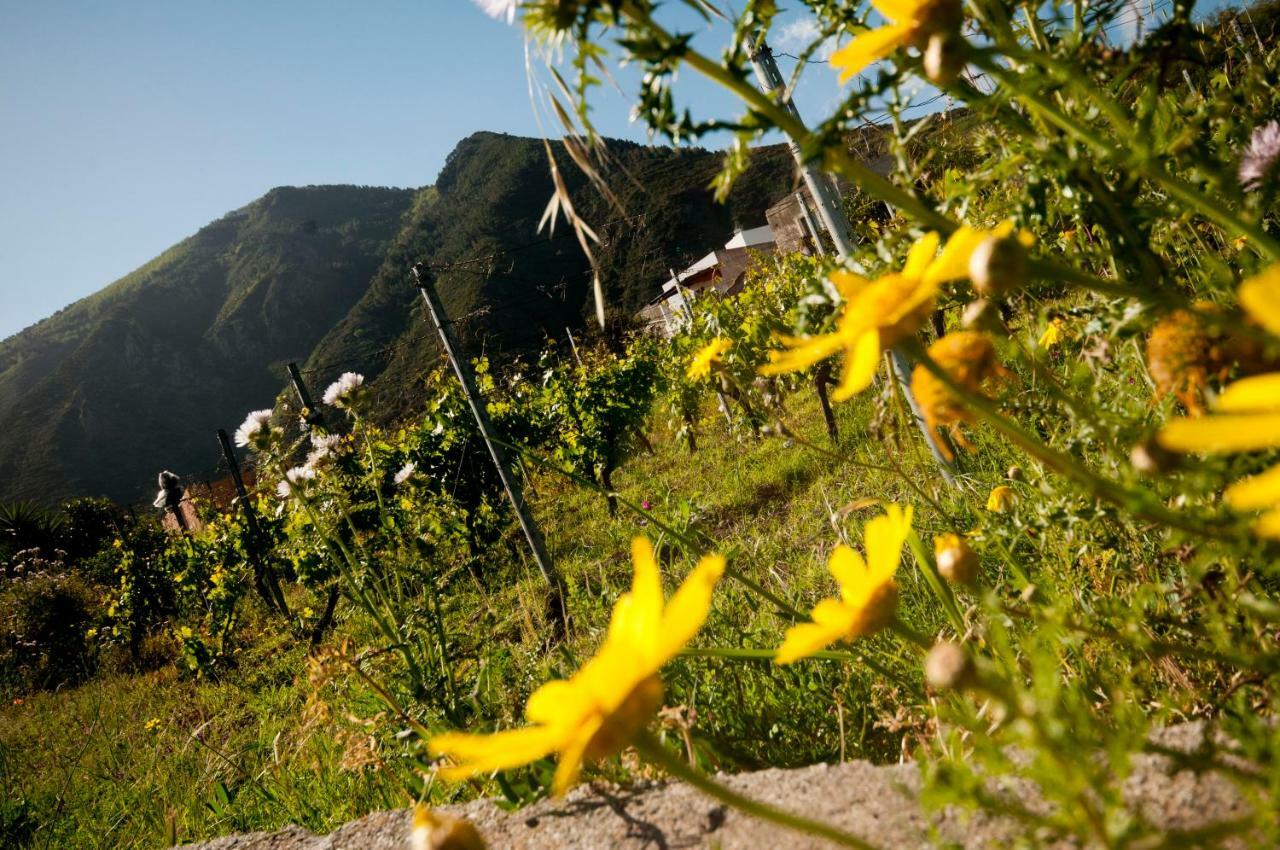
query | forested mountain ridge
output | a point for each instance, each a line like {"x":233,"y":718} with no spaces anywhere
{"x":135,"y":378}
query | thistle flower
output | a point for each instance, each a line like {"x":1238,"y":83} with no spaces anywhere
{"x":969,"y":358}
{"x":1178,"y":356}
{"x":406,"y":472}
{"x":911,"y":22}
{"x":876,"y":315}
{"x":255,"y":431}
{"x":345,"y":391}
{"x":868,"y":594}
{"x":1259,"y":159}
{"x":1001,"y":499}
{"x":500,"y":9}
{"x":295,"y":479}
{"x":708,"y":356}
{"x":597,"y":711}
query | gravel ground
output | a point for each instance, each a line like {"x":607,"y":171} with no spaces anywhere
{"x":875,"y":803}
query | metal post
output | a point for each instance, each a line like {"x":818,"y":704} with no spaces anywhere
{"x":811,"y":225}
{"x":573,"y":345}
{"x":833,"y":219}
{"x":424,"y":279}
{"x":311,"y":415}
{"x":264,"y":578}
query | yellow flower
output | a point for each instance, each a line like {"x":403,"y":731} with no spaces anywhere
{"x":878,"y":314}
{"x":868,"y":594}
{"x":595,"y":713}
{"x":1248,"y":417}
{"x":1052,"y":335}
{"x":1001,"y":499}
{"x":911,"y":22}
{"x":969,"y":358}
{"x":1260,"y":297}
{"x":1240,"y":241}
{"x":152,"y":725}
{"x":710,"y":354}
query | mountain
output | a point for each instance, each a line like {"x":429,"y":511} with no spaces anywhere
{"x":98,"y":398}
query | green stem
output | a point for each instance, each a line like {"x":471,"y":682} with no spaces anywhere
{"x":936,"y":583}
{"x":1138,"y":502}
{"x":1188,"y":194}
{"x":654,"y":752}
{"x":743,"y":654}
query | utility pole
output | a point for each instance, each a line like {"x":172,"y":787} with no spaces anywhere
{"x":830,"y":211}
{"x":311,"y":415}
{"x":264,"y":578}
{"x":424,"y":280}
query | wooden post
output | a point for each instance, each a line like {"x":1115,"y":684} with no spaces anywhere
{"x":264,"y":578}
{"x":424,"y":279}
{"x":311,"y":415}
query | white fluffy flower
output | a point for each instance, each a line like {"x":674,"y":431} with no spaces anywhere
{"x":300,"y":475}
{"x":255,"y":430}
{"x":406,"y":472}
{"x":1261,"y":155}
{"x":342,"y":391}
{"x":500,"y":9}
{"x":322,"y":448}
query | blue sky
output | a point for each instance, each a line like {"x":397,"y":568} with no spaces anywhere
{"x":128,"y":126}
{"x":125,"y":127}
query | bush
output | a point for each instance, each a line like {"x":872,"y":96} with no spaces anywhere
{"x":45,"y":616}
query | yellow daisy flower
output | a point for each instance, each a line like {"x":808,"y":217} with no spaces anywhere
{"x":911,"y":22}
{"x":878,"y":314}
{"x":595,"y":713}
{"x":709,"y":355}
{"x":868,"y":594}
{"x":1247,"y":417}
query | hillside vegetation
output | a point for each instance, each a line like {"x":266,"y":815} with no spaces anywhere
{"x":762,"y":555}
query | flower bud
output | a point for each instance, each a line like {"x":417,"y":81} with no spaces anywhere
{"x":998,"y":265}
{"x":1014,"y":473}
{"x":947,"y":667}
{"x":983,"y":315}
{"x":437,"y":831}
{"x":943,"y":58}
{"x":1001,"y":499}
{"x":1151,"y":458}
{"x":957,"y":562}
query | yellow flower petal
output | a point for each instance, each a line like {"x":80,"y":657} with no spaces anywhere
{"x":897,"y":10}
{"x":1259,"y":393}
{"x":869,"y":47}
{"x":1268,"y":525}
{"x":570,"y":765}
{"x":804,"y":640}
{"x":802,"y":354}
{"x":1260,"y":297}
{"x":1210,"y":434}
{"x":860,"y":366}
{"x":847,"y":283}
{"x":1256,"y":492}
{"x":483,"y":753}
{"x":688,"y":607}
{"x":921,"y":255}
{"x":884,"y":538}
{"x":953,"y":262}
{"x":847,"y":567}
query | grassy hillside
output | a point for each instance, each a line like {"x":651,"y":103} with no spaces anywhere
{"x":134,"y":379}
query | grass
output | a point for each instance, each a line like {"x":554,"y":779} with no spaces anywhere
{"x":140,"y":760}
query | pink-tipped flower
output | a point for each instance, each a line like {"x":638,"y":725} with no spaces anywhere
{"x":1259,"y":159}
